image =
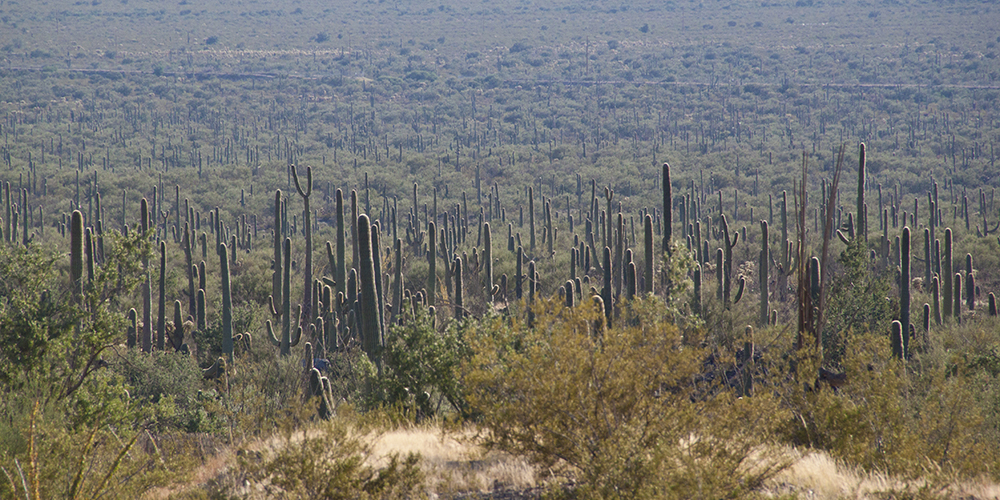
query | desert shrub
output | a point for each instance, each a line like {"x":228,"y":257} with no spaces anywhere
{"x":932,"y":417}
{"x":329,"y":460}
{"x":421,"y":366}
{"x":626,"y":411}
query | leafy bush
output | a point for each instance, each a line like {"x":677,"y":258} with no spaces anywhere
{"x":626,"y":411}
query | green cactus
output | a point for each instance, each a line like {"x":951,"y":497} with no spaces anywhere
{"x":970,"y":284}
{"x":947,"y":273}
{"x":936,"y":299}
{"x":459,"y":290}
{"x":200,"y":310}
{"x":76,"y":251}
{"x":696,"y":306}
{"x":340,"y":266}
{"x":569,"y":293}
{"x":146,"y":338}
{"x":898,"y":340}
{"x":727,"y":267}
{"x":992,"y":301}
{"x":647,"y":233}
{"x":519,"y":278}
{"x":488,"y":262}
{"x":177,"y":337}
{"x":307,"y":298}
{"x":132,"y":332}
{"x":432,"y":263}
{"x":957,"y":297}
{"x":862,"y":223}
{"x":667,"y":208}
{"x":397,"y":284}
{"x":904,"y":288}
{"x":227,"y":304}
{"x":161,"y":318}
{"x":531,"y":219}
{"x":276,"y":276}
{"x":371,"y":338}
{"x":763,"y":262}
{"x":606,"y":290}
{"x":287,"y":340}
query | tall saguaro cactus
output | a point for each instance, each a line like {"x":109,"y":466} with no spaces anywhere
{"x":947,"y":272}
{"x":862,"y":222}
{"x":287,"y":341}
{"x":307,"y":298}
{"x":667,"y":212}
{"x":431,"y":262}
{"x":277,"y":238}
{"x":371,"y":338}
{"x":763,"y":263}
{"x":904,"y":288}
{"x":76,"y":253}
{"x":647,"y":233}
{"x":227,"y":304}
{"x":488,"y":262}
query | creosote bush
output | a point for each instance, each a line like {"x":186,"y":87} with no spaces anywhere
{"x":629,"y":412}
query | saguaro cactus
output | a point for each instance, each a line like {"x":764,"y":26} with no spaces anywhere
{"x":898,"y":340}
{"x":947,"y":273}
{"x":862,"y":222}
{"x":277,"y":238}
{"x":307,"y":298}
{"x":459,"y":290}
{"x":287,"y":341}
{"x":371,"y":338}
{"x":904,"y":288}
{"x":227,"y":304}
{"x":340,"y":266}
{"x":432,"y":263}
{"x":161,"y":318}
{"x":647,"y":233}
{"x":487,"y":262}
{"x":763,"y":263}
{"x":667,"y":210}
{"x":76,"y":251}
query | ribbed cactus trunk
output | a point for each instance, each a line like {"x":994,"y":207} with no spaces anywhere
{"x":146,"y":337}
{"x":531,"y":219}
{"x":606,"y":290}
{"x":936,"y":300}
{"x":76,"y":252}
{"x":898,"y":340}
{"x":340,"y":266}
{"x":488,"y":262}
{"x":432,"y":263}
{"x":287,"y":341}
{"x":132,"y":332}
{"x":647,"y":234}
{"x":947,"y":273}
{"x":862,"y":222}
{"x":307,"y":297}
{"x":459,"y":290}
{"x":277,"y":238}
{"x":762,"y":263}
{"x":970,"y":284}
{"x":667,"y":210}
{"x":696,"y":307}
{"x":371,"y":338}
{"x":161,"y":318}
{"x":904,"y":288}
{"x":227,"y":304}
{"x":177,"y":337}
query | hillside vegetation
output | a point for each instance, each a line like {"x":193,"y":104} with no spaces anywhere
{"x":656,"y":249}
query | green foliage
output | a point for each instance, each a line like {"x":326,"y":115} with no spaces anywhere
{"x":626,"y":416}
{"x":858,"y":301}
{"x":421,"y":366}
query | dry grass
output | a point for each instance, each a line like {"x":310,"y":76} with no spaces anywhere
{"x":453,"y":463}
{"x":816,"y":475}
